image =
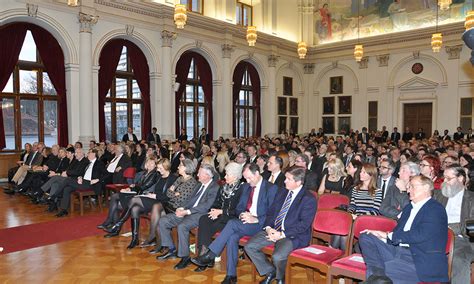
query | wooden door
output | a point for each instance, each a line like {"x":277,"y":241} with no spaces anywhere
{"x":418,"y":115}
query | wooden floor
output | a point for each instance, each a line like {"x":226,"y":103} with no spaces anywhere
{"x":95,"y":259}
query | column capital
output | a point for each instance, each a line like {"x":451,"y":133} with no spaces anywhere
{"x":167,"y":38}
{"x":227,"y":50}
{"x":32,"y":10}
{"x":309,"y":68}
{"x":272,"y":60}
{"x":454,"y":51}
{"x":364,"y":63}
{"x":87,"y":21}
{"x":383,"y":59}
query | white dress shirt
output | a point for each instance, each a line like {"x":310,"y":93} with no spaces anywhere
{"x":113,"y":164}
{"x":453,"y":208}
{"x":256,"y":192}
{"x":88,"y":174}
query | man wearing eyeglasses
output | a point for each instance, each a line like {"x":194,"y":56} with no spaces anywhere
{"x":415,"y":251}
{"x":459,"y":204}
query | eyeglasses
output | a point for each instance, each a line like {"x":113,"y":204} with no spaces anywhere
{"x":449,"y":178}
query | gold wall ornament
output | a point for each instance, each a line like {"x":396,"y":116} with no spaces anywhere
{"x":73,"y":3}
{"x":302,"y":49}
{"x":436,"y":42}
{"x":180,"y":16}
{"x":358,"y":52}
{"x":469,"y":23}
{"x":444,"y":4}
{"x":251,"y":35}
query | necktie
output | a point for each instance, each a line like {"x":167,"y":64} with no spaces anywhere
{"x":384,"y":183}
{"x":272,"y":179}
{"x":32,"y":158}
{"x":113,"y":160}
{"x":198,"y":195}
{"x":249,"y":201}
{"x":283,"y":211}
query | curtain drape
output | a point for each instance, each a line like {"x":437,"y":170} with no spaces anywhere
{"x":182,"y":70}
{"x":205,"y":76}
{"x":237,"y":84}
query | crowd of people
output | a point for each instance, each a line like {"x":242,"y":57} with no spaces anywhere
{"x":266,"y":188}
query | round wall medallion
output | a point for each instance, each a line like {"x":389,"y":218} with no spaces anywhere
{"x":417,"y":68}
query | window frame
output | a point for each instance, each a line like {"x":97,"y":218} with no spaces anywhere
{"x":250,"y":110}
{"x":240,"y":21}
{"x":39,"y":97}
{"x":189,"y":6}
{"x":129,"y":76}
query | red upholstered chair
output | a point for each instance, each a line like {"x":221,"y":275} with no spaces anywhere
{"x":352,"y":266}
{"x":450,"y":251}
{"x":128,"y":173}
{"x":80,"y":194}
{"x":318,"y":257}
{"x":331,"y":201}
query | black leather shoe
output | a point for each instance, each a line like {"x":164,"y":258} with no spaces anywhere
{"x":111,"y":235}
{"x":229,"y":280}
{"x":167,"y":254}
{"x":52,"y":207}
{"x":9,"y":191}
{"x":183,"y":263}
{"x":269,"y":278}
{"x":103,"y":226}
{"x":157,"y":249}
{"x":204,"y":260}
{"x":62,"y":213}
{"x":148,"y":243}
{"x":200,"y":269}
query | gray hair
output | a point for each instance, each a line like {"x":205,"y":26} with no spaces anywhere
{"x":413,"y":167}
{"x":189,"y":166}
{"x":210,"y":170}
{"x":234,"y":169}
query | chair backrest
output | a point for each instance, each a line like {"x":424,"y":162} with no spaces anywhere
{"x":331,"y":221}
{"x":129,"y":173}
{"x":450,"y":250}
{"x":331,"y":201}
{"x":369,"y":222}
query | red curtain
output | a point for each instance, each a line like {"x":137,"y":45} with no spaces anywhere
{"x":108,"y":61}
{"x":53,"y":59}
{"x":255,"y":82}
{"x":205,"y":78}
{"x":11,"y":40}
{"x":182,"y":70}
{"x":142,"y":75}
{"x":237,"y":84}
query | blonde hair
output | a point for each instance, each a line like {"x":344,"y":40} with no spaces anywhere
{"x":337,"y":166}
{"x":223,"y":160}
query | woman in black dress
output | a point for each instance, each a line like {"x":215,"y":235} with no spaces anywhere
{"x":222,"y":210}
{"x":121,"y":200}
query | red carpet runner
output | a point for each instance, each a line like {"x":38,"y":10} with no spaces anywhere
{"x":47,"y":233}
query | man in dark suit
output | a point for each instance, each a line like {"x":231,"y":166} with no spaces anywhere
{"x":319,"y":162}
{"x":182,"y":136}
{"x":204,"y":137}
{"x":287,"y":226}
{"x":459,"y":204}
{"x":385,"y":180}
{"x":407,"y":135}
{"x":420,"y":135}
{"x":395,"y":137}
{"x":348,"y":155}
{"x":445,"y":135}
{"x":91,"y":178}
{"x":117,"y":166}
{"x":384,"y":133}
{"x":34,"y":159}
{"x":175,"y":158}
{"x":257,"y":197}
{"x":363,"y":136}
{"x":396,"y":197}
{"x":153,"y":137}
{"x":274,"y":174}
{"x":458,"y":135}
{"x":130,"y":136}
{"x":415,"y":251}
{"x":311,"y":179}
{"x":187,"y":218}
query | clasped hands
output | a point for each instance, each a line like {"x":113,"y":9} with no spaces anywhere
{"x":181,"y":212}
{"x":273,"y":235}
{"x":379,"y":234}
{"x":248,"y":218}
{"x":214,"y":213}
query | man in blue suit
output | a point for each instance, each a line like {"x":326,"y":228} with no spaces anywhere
{"x":415,"y":250}
{"x":288,"y":227}
{"x":257,"y":197}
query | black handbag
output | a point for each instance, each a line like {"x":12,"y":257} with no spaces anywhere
{"x":470,"y":228}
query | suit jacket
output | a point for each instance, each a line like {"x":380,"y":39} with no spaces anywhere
{"x":154,"y":138}
{"x":123,"y":163}
{"x":146,"y":182}
{"x":420,"y":136}
{"x":98,"y":170}
{"x":467,"y":207}
{"x":391,"y":183}
{"x":77,"y":168}
{"x":407,"y":136}
{"x":206,"y":200}
{"x":394,"y":201}
{"x":175,"y":162}
{"x":125,"y":138}
{"x":62,"y":165}
{"x":299,"y":218}
{"x":395,"y":137}
{"x":371,"y":160}
{"x":458,"y":136}
{"x":206,"y":138}
{"x":311,"y":180}
{"x":182,"y":137}
{"x":446,"y":137}
{"x":360,"y":137}
{"x":280,"y":180}
{"x":265,"y":199}
{"x":427,"y":239}
{"x":347,"y":158}
{"x":384,"y":136}
{"x":34,"y":159}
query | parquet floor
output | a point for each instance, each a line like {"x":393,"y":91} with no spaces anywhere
{"x":95,"y":259}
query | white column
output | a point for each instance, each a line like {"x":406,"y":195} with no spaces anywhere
{"x":72,"y":91}
{"x":167,"y":124}
{"x":85,"y":77}
{"x":155,"y":101}
{"x":268,"y":99}
{"x":223,"y":109}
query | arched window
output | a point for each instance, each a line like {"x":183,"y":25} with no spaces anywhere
{"x":33,"y":90}
{"x":246,"y":99}
{"x":124,"y":91}
{"x":194,"y":96}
